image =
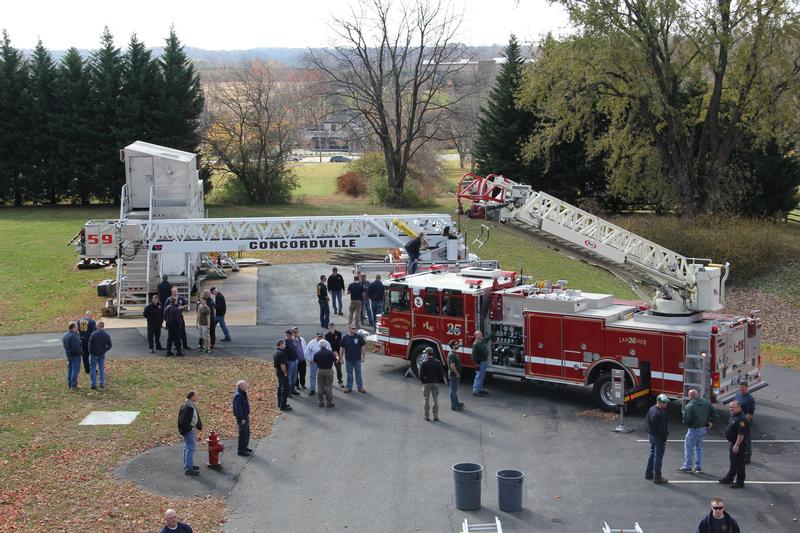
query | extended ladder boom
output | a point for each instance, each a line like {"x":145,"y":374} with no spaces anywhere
{"x":682,"y":285}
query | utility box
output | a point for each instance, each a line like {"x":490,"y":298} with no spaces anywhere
{"x":107,"y":288}
{"x":164,"y":179}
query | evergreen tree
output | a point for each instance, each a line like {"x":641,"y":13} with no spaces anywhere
{"x":13,"y":124}
{"x":504,"y":127}
{"x":141,"y":90}
{"x":46,"y":182}
{"x":105,"y":78}
{"x":73,"y":122}
{"x":181,"y":100}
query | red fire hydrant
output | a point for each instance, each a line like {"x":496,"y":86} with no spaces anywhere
{"x":215,"y":448}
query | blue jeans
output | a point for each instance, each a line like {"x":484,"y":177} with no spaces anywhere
{"x":374,"y":309}
{"x":292,"y":368}
{"x":96,"y":362}
{"x":480,"y":375}
{"x":657,"y":447}
{"x":312,"y":376}
{"x":454,"y":381}
{"x":693,"y":446}
{"x":336,"y":297}
{"x":324,"y":313}
{"x":349,"y":367}
{"x":223,"y":326}
{"x":73,"y":368}
{"x":189,"y":445}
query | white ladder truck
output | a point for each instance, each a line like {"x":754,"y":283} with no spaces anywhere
{"x":674,"y":343}
{"x":161,"y":229}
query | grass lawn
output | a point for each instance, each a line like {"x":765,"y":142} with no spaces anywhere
{"x":782,"y":355}
{"x":57,"y":474}
{"x":317,"y":179}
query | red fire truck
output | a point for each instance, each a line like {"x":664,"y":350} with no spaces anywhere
{"x":554,"y":333}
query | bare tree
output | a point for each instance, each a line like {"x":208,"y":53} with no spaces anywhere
{"x":251,"y":125}
{"x":393,"y":65}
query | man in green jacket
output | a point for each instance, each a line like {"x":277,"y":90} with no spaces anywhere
{"x":699,"y":416}
{"x":480,"y":356}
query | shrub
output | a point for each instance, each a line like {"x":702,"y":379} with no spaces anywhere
{"x":754,"y":247}
{"x":226,"y":190}
{"x":352,"y":184}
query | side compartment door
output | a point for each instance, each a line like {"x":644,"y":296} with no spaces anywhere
{"x":583,"y":338}
{"x":398,"y":305}
{"x":453,"y":324}
{"x":545,"y":349}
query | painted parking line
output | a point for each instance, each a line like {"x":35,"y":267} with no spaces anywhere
{"x":748,"y":482}
{"x":779,"y":441}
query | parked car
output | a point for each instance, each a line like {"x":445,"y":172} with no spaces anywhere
{"x":295,"y":158}
{"x":340,"y":159}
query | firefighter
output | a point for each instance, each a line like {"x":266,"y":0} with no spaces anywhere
{"x":748,"y":405}
{"x":656,"y":423}
{"x":480,"y":356}
{"x":735,"y":433}
{"x":413,"y":248}
{"x":431,"y":373}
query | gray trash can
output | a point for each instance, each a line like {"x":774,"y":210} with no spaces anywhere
{"x":467,"y":477}
{"x":509,"y":490}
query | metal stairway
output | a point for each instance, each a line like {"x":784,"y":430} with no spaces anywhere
{"x":132,"y":281}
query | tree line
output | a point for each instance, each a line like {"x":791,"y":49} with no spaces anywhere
{"x":63,"y":122}
{"x":680,"y":107}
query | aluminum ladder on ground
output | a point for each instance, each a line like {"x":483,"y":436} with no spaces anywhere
{"x":636,"y":529}
{"x":494,"y":527}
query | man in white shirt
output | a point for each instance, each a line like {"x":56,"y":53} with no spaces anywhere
{"x":311,"y":349}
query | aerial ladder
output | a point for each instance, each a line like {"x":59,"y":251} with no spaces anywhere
{"x":674,"y":285}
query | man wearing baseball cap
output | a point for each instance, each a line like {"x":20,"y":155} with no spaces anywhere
{"x":656,"y":423}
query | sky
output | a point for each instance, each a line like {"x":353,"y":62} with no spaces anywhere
{"x":243,"y":24}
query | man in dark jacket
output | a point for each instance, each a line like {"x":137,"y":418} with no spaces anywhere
{"x":413,"y":249}
{"x":154,"y":314}
{"x":375,"y":296}
{"x":324,"y":303}
{"x":99,"y":345}
{"x":86,"y":326}
{"x":172,"y":525}
{"x":656,"y":423}
{"x":336,"y":287}
{"x":718,"y":520}
{"x":221,"y":307}
{"x":281,"y":364}
{"x":164,"y":290}
{"x":356,"y":292}
{"x":735,"y":434}
{"x":334,"y":338}
{"x":72,"y":349}
{"x":748,"y":405}
{"x":241,"y":410}
{"x":431,"y":373}
{"x":212,"y":325}
{"x":173,"y":317}
{"x":189,"y":424}
{"x":292,"y":361}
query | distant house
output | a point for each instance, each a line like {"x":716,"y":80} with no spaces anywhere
{"x":341,"y":131}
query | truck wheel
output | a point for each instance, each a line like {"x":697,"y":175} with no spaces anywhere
{"x":603,"y":393}
{"x":415,"y":360}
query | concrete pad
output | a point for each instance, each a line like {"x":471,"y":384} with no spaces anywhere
{"x":160,"y":471}
{"x":287,"y":294}
{"x":109,"y":418}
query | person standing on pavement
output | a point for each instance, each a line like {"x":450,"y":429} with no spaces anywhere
{"x":334,"y":338}
{"x":748,"y":405}
{"x":336,"y":288}
{"x":480,"y":356}
{"x":323,"y":360}
{"x":324,"y":303}
{"x":356,"y":292}
{"x":718,"y":520}
{"x":292,"y":361}
{"x":431,"y":373}
{"x":203,"y":322}
{"x":183,"y":305}
{"x":454,"y":375}
{"x":221,"y":306}
{"x":86,"y":326}
{"x":212,"y":320}
{"x":300,"y":348}
{"x":656,"y":422}
{"x":173,"y":318}
{"x":99,"y":345}
{"x":154,"y":314}
{"x":72,"y":348}
{"x":735,"y":434}
{"x":311,"y":348}
{"x":241,"y":410}
{"x":281,"y":363}
{"x":189,"y":424}
{"x":171,"y":524}
{"x":375,"y":296}
{"x":352,"y":350}
{"x":364,"y":299}
{"x":698,"y":416}
{"x":164,"y":290}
